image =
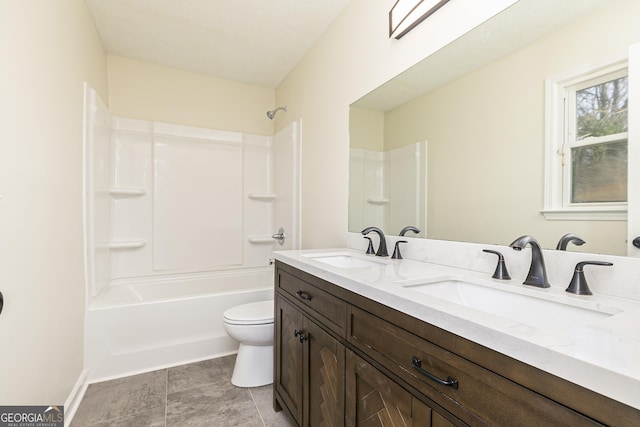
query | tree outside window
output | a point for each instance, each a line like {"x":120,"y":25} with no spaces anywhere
{"x":599,"y":152}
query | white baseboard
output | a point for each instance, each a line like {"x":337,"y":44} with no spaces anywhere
{"x":77,"y":393}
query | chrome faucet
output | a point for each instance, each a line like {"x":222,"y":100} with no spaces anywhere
{"x":569,"y":238}
{"x":382,"y":246}
{"x":537,"y":272}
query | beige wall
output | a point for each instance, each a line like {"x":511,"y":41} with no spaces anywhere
{"x":366,"y":129}
{"x":486,"y":138}
{"x":48,"y":48}
{"x":353,"y":57}
{"x":145,"y":91}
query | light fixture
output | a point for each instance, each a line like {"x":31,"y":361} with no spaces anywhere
{"x":406,"y":14}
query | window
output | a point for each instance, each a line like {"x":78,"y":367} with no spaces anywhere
{"x":586,"y":148}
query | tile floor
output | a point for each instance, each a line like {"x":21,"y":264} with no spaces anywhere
{"x":197,"y":394}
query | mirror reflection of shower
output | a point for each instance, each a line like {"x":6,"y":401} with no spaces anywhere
{"x":272,"y":113}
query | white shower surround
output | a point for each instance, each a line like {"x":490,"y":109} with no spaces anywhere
{"x":387,"y":189}
{"x":184,"y":211}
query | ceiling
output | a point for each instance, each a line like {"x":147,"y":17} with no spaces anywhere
{"x":250,"y":41}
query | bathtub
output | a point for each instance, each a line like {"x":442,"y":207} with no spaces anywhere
{"x":139,"y":326}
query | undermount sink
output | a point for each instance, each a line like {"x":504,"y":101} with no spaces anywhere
{"x":344,"y":260}
{"x":538,"y":312}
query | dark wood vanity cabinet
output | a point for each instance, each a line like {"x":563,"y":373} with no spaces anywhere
{"x":309,"y":367}
{"x":375,"y":400}
{"x":288,"y":360}
{"x":344,"y":360}
{"x":474,"y":394}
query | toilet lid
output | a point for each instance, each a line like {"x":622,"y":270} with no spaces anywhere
{"x":255,"y":313}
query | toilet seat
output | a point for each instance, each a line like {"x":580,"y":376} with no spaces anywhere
{"x":255,"y":313}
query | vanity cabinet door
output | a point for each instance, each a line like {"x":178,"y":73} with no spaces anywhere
{"x":288,"y":357}
{"x":325,"y":374}
{"x":374,"y":400}
{"x":309,"y":369}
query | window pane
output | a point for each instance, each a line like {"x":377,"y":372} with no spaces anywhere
{"x":602,"y":109}
{"x":599,"y":173}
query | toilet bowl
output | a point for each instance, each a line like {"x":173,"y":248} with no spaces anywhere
{"x":252,"y":326}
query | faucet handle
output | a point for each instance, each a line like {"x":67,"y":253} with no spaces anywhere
{"x":501,"y":269}
{"x":370,"y":249}
{"x":396,"y":250}
{"x":578,"y":283}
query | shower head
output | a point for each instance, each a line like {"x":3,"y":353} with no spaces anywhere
{"x":272,"y":113}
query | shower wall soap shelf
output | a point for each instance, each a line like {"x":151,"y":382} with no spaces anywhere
{"x":121,"y":193}
{"x":267,"y":197}
{"x":118,"y":192}
{"x":377,"y":200}
{"x":127,"y":244}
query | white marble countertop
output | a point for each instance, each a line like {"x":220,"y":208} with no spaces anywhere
{"x":602,"y":355}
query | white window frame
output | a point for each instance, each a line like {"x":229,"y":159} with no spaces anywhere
{"x":557,"y":205}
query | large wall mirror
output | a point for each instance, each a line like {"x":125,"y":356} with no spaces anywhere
{"x":456,"y":144}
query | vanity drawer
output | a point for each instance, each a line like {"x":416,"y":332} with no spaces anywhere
{"x":325,"y":307}
{"x":476,"y":395}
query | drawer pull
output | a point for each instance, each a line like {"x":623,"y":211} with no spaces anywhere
{"x":296,"y":332}
{"x":303,"y":295}
{"x":417,"y":363}
{"x":303,"y":338}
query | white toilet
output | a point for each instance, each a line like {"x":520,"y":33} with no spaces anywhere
{"x":252,"y":326}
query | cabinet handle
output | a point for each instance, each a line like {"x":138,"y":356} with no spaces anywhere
{"x":298,"y":333}
{"x":303,"y":295}
{"x":450,"y":382}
